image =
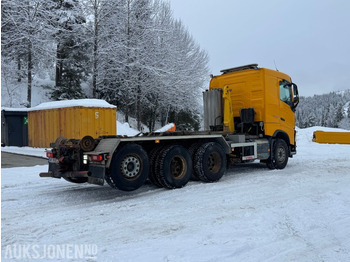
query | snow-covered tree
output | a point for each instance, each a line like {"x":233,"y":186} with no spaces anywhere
{"x":324,"y":110}
{"x":72,"y":62}
{"x":154,"y":65}
{"x":24,"y":31}
{"x":134,"y":52}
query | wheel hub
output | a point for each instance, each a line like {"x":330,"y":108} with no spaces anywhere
{"x":281,"y":155}
{"x":131,"y":166}
{"x":177,"y":167}
{"x":214,"y":162}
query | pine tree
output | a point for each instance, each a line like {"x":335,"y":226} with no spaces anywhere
{"x":71,"y":57}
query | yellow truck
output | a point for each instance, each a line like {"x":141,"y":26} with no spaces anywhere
{"x":248,"y":115}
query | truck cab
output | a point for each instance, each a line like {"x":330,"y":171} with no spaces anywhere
{"x":255,"y":101}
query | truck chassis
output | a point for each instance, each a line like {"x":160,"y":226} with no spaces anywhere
{"x":168,"y":159}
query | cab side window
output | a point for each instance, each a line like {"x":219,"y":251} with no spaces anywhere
{"x":285,"y":92}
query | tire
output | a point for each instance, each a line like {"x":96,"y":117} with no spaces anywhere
{"x":152,"y":159}
{"x":87,"y":143}
{"x":280,"y":155}
{"x":174,"y":167}
{"x":192,"y":151}
{"x":210,"y":162}
{"x":270,"y":164}
{"x":129,"y":168}
{"x":79,"y":180}
{"x":109,"y":181}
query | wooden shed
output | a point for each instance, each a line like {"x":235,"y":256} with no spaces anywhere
{"x":331,"y":137}
{"x":72,"y":119}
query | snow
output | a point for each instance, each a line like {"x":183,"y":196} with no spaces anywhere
{"x":124,"y":129}
{"x":73,"y":103}
{"x":132,"y":123}
{"x":28,"y":151}
{"x":301,"y":213}
{"x":165,"y":128}
{"x":11,"y":109}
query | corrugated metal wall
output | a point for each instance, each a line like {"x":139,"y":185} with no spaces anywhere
{"x":44,"y":126}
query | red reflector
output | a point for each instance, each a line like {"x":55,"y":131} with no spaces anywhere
{"x":96,"y":158}
{"x":49,"y":155}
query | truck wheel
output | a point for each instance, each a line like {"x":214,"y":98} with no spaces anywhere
{"x":87,"y":143}
{"x":174,"y":166}
{"x":152,"y":159}
{"x":129,"y":167}
{"x":270,"y":164}
{"x":109,"y":181}
{"x":280,"y":155}
{"x":79,"y":180}
{"x":192,"y":151}
{"x":210,"y":162}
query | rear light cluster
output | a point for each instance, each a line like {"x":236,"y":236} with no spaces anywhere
{"x":94,"y":158}
{"x":49,"y":154}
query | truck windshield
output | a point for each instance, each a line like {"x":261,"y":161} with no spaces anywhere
{"x":286,"y":92}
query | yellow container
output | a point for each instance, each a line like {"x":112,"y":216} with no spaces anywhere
{"x":72,"y":119}
{"x":331,"y":137}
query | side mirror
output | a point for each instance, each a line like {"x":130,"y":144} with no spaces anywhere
{"x":295,"y":95}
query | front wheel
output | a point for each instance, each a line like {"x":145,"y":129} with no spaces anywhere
{"x":129,"y":168}
{"x":280,"y":155}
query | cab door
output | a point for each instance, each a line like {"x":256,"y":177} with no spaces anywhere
{"x":287,"y":117}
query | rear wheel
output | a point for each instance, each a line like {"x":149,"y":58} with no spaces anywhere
{"x":192,"y":151}
{"x":210,"y":162}
{"x":109,"y":181}
{"x":174,"y":166}
{"x":152,"y":174}
{"x":129,"y":168}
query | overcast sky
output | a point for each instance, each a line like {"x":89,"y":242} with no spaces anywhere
{"x":306,"y":39}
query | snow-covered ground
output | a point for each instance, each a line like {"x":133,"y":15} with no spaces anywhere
{"x":301,"y":213}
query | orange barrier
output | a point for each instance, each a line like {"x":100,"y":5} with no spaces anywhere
{"x":331,"y":137}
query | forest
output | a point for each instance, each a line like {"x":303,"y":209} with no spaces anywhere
{"x":132,"y":53}
{"x":329,"y":110}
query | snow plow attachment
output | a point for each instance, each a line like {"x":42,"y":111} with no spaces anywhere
{"x":331,"y":137}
